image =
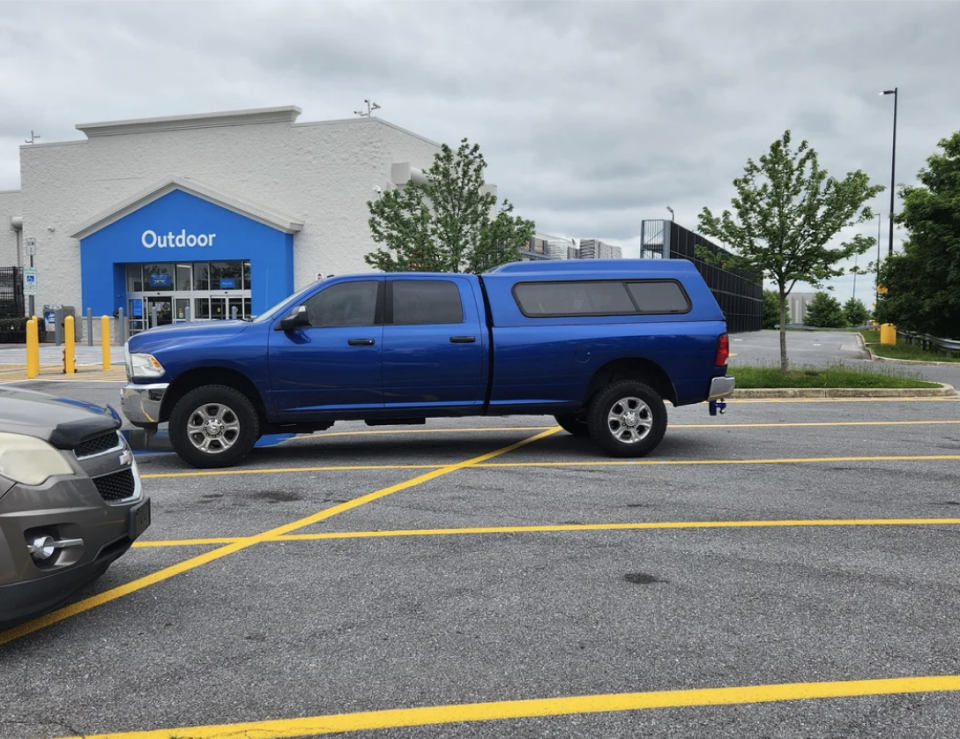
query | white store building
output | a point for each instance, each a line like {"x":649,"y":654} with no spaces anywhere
{"x":201,"y":215}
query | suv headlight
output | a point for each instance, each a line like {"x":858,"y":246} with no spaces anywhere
{"x":30,"y":461}
{"x":143,"y":365}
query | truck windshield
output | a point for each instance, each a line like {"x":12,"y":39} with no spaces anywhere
{"x":271,"y":312}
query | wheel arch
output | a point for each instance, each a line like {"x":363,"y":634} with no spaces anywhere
{"x":192,"y":379}
{"x":634,"y":368}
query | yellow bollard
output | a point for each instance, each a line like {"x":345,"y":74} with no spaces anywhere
{"x":69,"y":350}
{"x":105,"y":340}
{"x":888,"y":334}
{"x":33,"y":349}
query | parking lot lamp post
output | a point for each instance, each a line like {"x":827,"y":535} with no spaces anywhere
{"x":893,"y":165}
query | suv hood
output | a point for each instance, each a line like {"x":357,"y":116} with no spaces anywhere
{"x":61,"y":421}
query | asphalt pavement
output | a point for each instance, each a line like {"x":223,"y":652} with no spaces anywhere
{"x":474,"y":563}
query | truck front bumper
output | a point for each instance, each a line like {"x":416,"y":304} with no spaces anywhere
{"x":721,"y":387}
{"x":141,"y":403}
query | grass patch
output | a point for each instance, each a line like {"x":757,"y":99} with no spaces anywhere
{"x":902,"y":350}
{"x":821,"y":377}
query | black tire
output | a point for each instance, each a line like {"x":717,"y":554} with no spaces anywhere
{"x":620,"y":399}
{"x":573,"y":424}
{"x":226,"y":444}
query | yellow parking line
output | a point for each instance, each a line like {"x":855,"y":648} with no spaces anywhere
{"x":719,"y":425}
{"x":271,"y":470}
{"x":623,"y":527}
{"x":675,"y":462}
{"x":167,"y":572}
{"x":568,"y":527}
{"x":540,"y":707}
{"x":144,"y":544}
{"x":579,"y":463}
{"x":935,"y":399}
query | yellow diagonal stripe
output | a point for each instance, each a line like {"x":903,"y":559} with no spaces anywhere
{"x":472,"y":712}
{"x":167,"y":572}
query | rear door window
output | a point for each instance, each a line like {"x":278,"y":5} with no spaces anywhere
{"x":422,"y":302}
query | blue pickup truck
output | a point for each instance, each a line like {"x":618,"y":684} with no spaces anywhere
{"x":599,"y":345}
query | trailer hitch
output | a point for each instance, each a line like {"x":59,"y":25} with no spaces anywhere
{"x":717,"y":406}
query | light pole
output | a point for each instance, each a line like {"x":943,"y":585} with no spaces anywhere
{"x":893,"y":165}
{"x":877,"y":278}
{"x":673,"y":216}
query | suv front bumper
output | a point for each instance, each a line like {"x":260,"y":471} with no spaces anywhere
{"x":721,"y":387}
{"x":141,"y":403}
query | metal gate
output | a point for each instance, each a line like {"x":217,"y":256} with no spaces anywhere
{"x":11,"y":292}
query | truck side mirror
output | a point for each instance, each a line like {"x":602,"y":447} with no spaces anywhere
{"x":297,"y":318}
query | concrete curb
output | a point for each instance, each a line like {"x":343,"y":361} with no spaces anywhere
{"x":944,"y":391}
{"x":907,"y":362}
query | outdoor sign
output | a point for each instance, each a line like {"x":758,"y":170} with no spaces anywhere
{"x":227,"y":283}
{"x":136,"y":308}
{"x":31,"y":243}
{"x":29,"y":280}
{"x":160,"y":280}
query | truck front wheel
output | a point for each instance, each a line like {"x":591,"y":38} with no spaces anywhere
{"x":627,"y":419}
{"x":214,"y":426}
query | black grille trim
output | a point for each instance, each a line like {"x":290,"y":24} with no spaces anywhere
{"x":97,"y":445}
{"x":116,"y":487}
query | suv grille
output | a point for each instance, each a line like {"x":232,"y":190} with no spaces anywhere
{"x":118,"y":486}
{"x":97,"y":445}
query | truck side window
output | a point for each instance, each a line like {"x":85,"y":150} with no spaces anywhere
{"x":665,"y":296}
{"x":582,"y":298}
{"x":346,"y":304}
{"x":419,"y":302}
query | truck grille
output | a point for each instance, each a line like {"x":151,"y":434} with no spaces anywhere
{"x":115,"y":487}
{"x":97,"y":445}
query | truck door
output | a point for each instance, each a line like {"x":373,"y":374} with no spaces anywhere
{"x":334,"y":364}
{"x":434,"y":344}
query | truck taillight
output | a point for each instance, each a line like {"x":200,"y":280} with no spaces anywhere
{"x":723,"y":350}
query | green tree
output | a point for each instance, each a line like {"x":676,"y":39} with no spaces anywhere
{"x":856,"y":312}
{"x":824,"y":311}
{"x":788,"y":210}
{"x":447,"y":224}
{"x":923,"y":282}
{"x":771,"y":309}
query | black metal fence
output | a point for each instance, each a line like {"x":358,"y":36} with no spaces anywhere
{"x":11,"y":292}
{"x":739,"y":294}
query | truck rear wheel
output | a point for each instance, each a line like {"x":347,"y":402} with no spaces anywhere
{"x":214,"y":426}
{"x":627,"y":419}
{"x":573,"y":424}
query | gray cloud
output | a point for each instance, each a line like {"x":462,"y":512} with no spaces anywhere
{"x":592,"y":115}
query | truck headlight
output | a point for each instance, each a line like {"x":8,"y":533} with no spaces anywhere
{"x":144,"y":365}
{"x":30,"y":461}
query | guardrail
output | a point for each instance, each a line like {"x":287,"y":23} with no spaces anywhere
{"x":931,"y":343}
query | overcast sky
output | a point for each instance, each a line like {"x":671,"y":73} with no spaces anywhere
{"x":592,"y":115}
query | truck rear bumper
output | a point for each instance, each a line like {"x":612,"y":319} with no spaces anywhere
{"x":721,"y":387}
{"x":141,"y":403}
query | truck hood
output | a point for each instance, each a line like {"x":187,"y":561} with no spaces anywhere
{"x":61,"y":421}
{"x":181,"y":333}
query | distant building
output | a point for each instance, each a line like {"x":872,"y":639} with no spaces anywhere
{"x":596,"y":249}
{"x":797,"y":304}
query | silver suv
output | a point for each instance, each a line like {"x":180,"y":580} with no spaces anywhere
{"x":70,"y":499}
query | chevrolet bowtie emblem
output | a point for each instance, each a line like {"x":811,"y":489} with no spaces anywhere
{"x":126,"y":458}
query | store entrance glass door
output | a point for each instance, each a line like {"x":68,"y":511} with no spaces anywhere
{"x":158,"y":311}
